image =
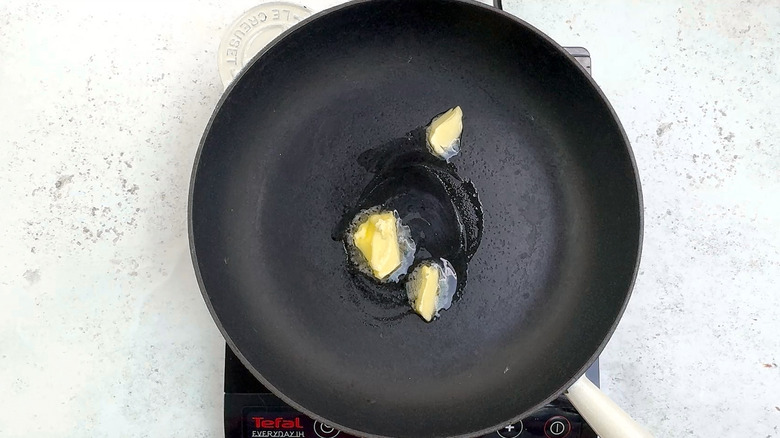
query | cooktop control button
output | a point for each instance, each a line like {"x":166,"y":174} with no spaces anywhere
{"x":511,"y":431}
{"x":325,"y":431}
{"x":557,"y":427}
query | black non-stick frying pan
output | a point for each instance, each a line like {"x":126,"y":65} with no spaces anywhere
{"x":278,"y":168}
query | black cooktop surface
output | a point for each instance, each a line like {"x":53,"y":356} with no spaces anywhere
{"x":252,"y":411}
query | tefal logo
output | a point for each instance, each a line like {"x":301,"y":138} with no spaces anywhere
{"x":277,"y":423}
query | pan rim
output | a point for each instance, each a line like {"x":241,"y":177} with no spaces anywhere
{"x":517,"y":21}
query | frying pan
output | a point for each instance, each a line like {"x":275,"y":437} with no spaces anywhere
{"x":561,"y":221}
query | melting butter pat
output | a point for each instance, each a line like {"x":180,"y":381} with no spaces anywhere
{"x":377,"y":240}
{"x":431,"y":287}
{"x":427,"y":291}
{"x":443,"y":134}
{"x":384,"y":244}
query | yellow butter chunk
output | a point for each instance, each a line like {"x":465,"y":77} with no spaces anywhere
{"x":427,"y":288}
{"x":377,"y":240}
{"x":444,"y":133}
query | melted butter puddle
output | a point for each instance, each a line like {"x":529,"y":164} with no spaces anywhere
{"x":416,"y":212}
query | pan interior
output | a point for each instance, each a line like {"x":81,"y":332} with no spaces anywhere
{"x":562,"y":218}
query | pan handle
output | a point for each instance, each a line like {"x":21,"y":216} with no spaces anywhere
{"x":602,"y":414}
{"x":497,"y":4}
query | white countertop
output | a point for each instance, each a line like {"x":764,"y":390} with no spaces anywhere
{"x":103,"y":331}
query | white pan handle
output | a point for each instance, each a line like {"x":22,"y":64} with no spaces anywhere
{"x":602,"y":414}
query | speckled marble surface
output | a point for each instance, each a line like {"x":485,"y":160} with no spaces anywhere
{"x":102,"y":327}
